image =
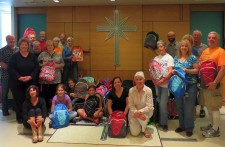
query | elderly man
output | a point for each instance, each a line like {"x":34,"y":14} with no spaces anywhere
{"x":31,"y":38}
{"x":172,"y":47}
{"x":36,"y":48}
{"x":212,"y":96}
{"x":62,"y":42}
{"x":199,"y":47}
{"x":5,"y":54}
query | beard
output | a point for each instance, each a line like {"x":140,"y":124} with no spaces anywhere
{"x":171,"y":40}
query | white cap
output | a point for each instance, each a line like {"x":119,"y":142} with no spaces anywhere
{"x":140,"y":74}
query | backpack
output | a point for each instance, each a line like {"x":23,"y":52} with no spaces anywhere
{"x":102,"y":90}
{"x":178,"y":83}
{"x":171,"y":107}
{"x":107,"y":83}
{"x":89,"y":80}
{"x":28,"y":31}
{"x":47,"y":73}
{"x":117,"y":125}
{"x":81,"y":88}
{"x":151,"y":40}
{"x":91,"y":103}
{"x":60,"y":116}
{"x":128,"y":84}
{"x":207,"y":73}
{"x":156,"y":70}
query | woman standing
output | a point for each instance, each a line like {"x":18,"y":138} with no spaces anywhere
{"x":118,"y":97}
{"x":189,"y":63}
{"x":69,"y":64}
{"x":141,"y":106}
{"x":23,"y":71}
{"x":48,"y":88}
{"x":34,"y":113}
{"x":162,"y":84}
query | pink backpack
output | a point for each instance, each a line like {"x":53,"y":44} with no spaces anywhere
{"x":156,"y":71}
{"x":208,"y":71}
{"x":28,"y":31}
{"x":47,"y":73}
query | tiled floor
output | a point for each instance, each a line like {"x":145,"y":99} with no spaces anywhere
{"x":14,"y":135}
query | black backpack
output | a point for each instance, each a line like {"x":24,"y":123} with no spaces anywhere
{"x":151,"y":40}
{"x":91,"y":104}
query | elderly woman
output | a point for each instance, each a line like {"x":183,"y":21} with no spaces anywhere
{"x":57,"y":48}
{"x":141,"y":106}
{"x":23,"y":71}
{"x":189,"y":63}
{"x":34,"y":113}
{"x":69,"y":64}
{"x":162,"y":84}
{"x":48,"y":88}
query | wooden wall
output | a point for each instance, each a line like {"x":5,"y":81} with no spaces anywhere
{"x":81,"y":22}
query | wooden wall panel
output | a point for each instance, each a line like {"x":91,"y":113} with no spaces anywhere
{"x":68,"y":29}
{"x":81,"y":33}
{"x":30,"y":10}
{"x":102,"y":52}
{"x":98,"y":14}
{"x":59,"y":14}
{"x":128,"y":11}
{"x":180,"y":29}
{"x":54,"y":29}
{"x":147,"y":26}
{"x":185,"y":13}
{"x":81,"y":14}
{"x":161,"y":13}
{"x":207,"y":7}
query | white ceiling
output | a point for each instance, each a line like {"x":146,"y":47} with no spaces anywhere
{"x":38,"y":3}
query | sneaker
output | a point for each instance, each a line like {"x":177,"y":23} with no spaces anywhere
{"x":211,"y":133}
{"x":178,"y":130}
{"x":206,"y":127}
{"x":202,"y":113}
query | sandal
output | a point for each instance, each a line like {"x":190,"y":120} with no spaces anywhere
{"x":147,"y":134}
{"x":35,"y":139}
{"x":40,"y":138}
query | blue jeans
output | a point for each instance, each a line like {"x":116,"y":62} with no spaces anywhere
{"x":5,"y":91}
{"x":72,"y":115}
{"x":162,"y":98}
{"x":186,"y":106}
{"x":70,"y":67}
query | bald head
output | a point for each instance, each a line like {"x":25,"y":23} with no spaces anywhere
{"x":10,"y":39}
{"x":171,"y":36}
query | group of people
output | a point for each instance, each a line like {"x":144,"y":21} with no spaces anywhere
{"x":189,"y":55}
{"x":20,"y":70}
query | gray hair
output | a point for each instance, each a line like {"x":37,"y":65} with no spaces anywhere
{"x":56,"y":38}
{"x":161,"y":42}
{"x":36,"y":42}
{"x":217,"y":34}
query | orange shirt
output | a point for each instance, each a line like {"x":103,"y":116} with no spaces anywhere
{"x":216,"y":54}
{"x":58,"y":50}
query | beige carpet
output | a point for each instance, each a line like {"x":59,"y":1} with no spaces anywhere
{"x":92,"y":135}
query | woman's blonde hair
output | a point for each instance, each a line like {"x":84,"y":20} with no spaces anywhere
{"x":184,"y":42}
{"x":189,"y":38}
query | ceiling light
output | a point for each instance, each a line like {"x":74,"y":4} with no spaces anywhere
{"x":112,"y":0}
{"x":56,"y":1}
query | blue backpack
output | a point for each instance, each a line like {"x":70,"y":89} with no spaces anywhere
{"x":178,"y":83}
{"x":60,"y":116}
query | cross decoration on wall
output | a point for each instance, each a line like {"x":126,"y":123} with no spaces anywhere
{"x":116,"y":29}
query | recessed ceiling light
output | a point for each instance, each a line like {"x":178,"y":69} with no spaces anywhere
{"x":112,"y":0}
{"x":56,"y":1}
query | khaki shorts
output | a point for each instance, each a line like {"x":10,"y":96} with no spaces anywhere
{"x":212,"y":99}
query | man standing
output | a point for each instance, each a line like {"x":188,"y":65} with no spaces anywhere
{"x":212,"y":96}
{"x":31,"y":38}
{"x":62,"y":42}
{"x":5,"y":54}
{"x":172,"y":47}
{"x":43,"y":40}
{"x":199,"y":47}
{"x":36,"y":48}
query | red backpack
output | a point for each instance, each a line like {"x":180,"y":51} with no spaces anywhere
{"x":117,"y":125}
{"x":208,"y":71}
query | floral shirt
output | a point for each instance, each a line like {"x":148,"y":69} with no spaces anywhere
{"x":188,"y":63}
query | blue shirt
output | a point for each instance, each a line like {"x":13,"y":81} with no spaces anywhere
{"x":188,"y":63}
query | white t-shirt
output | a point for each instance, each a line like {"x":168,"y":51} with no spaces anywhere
{"x":167,"y":61}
